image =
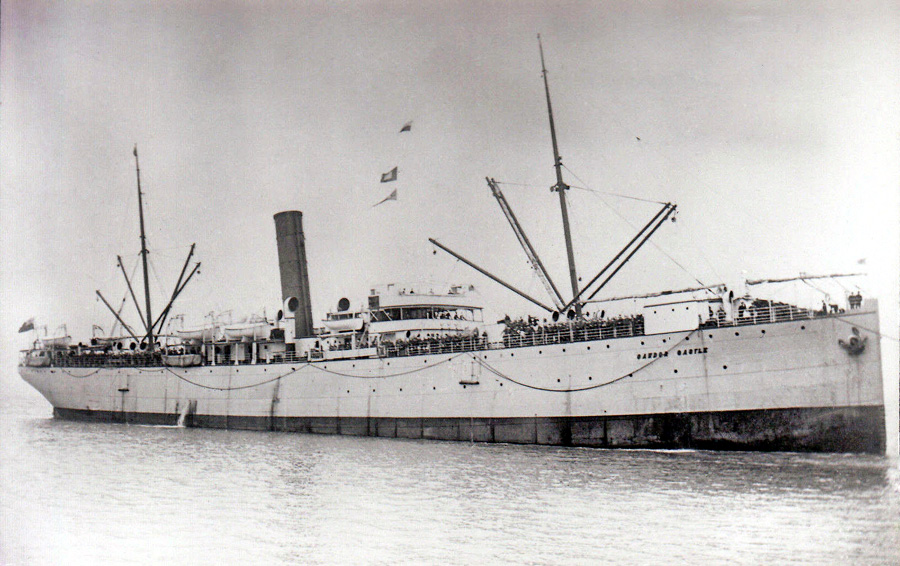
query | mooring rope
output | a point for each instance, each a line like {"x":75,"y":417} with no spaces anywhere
{"x":81,"y":376}
{"x":875,"y":332}
{"x":237,"y":387}
{"x":501,"y":375}
{"x":313,"y":366}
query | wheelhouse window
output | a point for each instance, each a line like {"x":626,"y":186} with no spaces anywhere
{"x":427,"y":313}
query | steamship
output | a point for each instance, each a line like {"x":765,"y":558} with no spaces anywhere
{"x":703,"y":368}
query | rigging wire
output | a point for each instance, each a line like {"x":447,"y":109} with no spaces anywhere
{"x":613,"y":194}
{"x":160,"y":288}
{"x":654,"y":244}
{"x":532,"y":186}
{"x":827,"y":295}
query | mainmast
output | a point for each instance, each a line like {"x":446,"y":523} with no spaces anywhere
{"x":560,"y":187}
{"x":144,"y":254}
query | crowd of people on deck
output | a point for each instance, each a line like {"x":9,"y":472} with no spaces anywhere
{"x":531,"y":330}
{"x":435,"y":344}
{"x":82,"y":356}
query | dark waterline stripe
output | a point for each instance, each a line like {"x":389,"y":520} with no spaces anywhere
{"x":838,"y":429}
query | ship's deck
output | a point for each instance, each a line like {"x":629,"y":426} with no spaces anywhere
{"x":517,"y":334}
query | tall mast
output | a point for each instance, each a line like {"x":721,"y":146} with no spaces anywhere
{"x":144,"y":253}
{"x":560,"y":186}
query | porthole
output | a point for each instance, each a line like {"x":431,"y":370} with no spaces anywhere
{"x":687,"y":338}
{"x":557,"y":380}
{"x":737,"y":333}
{"x":590,"y":378}
{"x":401,"y":389}
{"x":424,"y":361}
{"x":348,"y":391}
{"x":710,"y":336}
{"x":724,"y":367}
{"x":434,"y":388}
{"x":564,"y":349}
{"x":588,"y":347}
{"x":607,"y":346}
{"x":676,"y":371}
{"x":642,"y":343}
{"x":540,"y":352}
{"x":501,"y":385}
{"x":512,"y":354}
{"x":802,"y":328}
{"x":763,"y":330}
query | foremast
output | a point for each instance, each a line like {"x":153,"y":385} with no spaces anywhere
{"x":560,"y":187}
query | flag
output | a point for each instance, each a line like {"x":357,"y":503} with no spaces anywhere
{"x":392,"y":196}
{"x":407,"y":127}
{"x":135,"y":150}
{"x":862,"y":261}
{"x":95,"y":329}
{"x":389,"y":176}
{"x":27,"y":325}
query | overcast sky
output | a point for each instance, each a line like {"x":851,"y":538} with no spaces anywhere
{"x":772,"y":125}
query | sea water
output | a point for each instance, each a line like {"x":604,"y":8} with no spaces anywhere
{"x":86,"y":493}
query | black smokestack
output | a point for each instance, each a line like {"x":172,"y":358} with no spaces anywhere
{"x":294,"y":275}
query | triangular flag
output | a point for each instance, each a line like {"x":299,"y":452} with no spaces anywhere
{"x":392,"y":196}
{"x":27,"y":325}
{"x":389,"y":176}
{"x":407,"y":127}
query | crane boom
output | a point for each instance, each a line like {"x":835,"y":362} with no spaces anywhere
{"x":533,"y":258}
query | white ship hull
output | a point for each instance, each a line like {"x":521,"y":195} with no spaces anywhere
{"x":782,"y":386}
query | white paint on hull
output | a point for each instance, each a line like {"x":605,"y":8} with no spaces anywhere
{"x":765,"y":366}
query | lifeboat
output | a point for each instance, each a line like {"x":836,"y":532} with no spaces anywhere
{"x":56,"y":341}
{"x":181,"y":360}
{"x":200,"y":333}
{"x":343,"y":324}
{"x":37,"y":358}
{"x":248,"y":331}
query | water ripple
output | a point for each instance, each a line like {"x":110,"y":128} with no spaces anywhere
{"x":91,"y":493}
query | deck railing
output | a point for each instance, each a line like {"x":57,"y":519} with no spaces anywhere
{"x":517,"y":335}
